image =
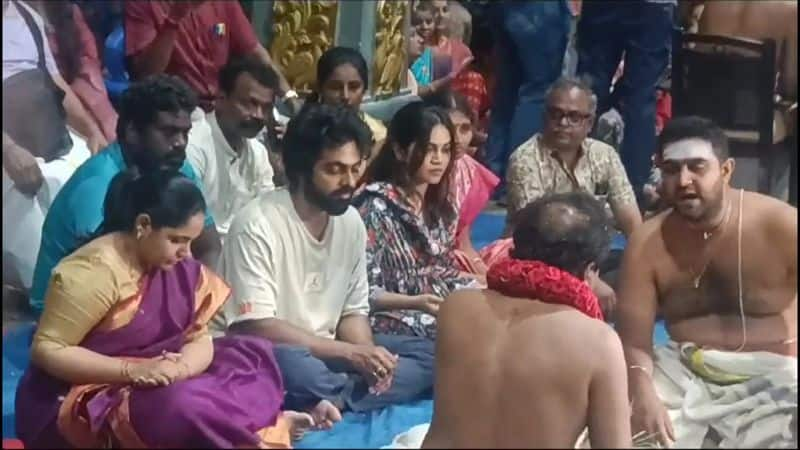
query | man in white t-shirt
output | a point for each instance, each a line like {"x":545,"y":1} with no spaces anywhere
{"x":296,"y":260}
{"x":232,"y":164}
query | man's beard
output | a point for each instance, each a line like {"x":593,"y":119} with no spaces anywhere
{"x":332,"y":203}
{"x":146,"y":162}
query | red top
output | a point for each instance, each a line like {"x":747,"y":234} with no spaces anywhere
{"x":206,"y":38}
{"x":472,"y":85}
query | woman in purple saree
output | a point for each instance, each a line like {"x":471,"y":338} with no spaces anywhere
{"x":122,"y":356}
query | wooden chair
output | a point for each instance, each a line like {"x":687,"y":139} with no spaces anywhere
{"x":732,"y":82}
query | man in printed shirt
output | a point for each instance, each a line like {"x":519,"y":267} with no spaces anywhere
{"x":563,"y":158}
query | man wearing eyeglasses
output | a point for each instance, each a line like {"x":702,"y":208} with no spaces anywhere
{"x":562,"y":158}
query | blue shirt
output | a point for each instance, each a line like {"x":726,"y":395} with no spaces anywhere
{"x":77,"y":212}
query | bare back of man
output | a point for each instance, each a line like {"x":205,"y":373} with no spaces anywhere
{"x":519,"y":373}
{"x":759,"y":20}
{"x":696,"y":280}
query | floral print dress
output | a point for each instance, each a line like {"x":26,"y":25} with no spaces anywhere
{"x":405,"y":256}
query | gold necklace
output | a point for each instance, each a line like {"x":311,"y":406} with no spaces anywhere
{"x":708,"y":235}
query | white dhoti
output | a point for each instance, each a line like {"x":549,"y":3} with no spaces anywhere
{"x":23,"y":215}
{"x":751,"y":402}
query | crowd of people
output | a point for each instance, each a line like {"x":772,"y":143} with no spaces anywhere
{"x":206,"y":274}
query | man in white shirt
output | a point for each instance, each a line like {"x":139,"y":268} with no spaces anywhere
{"x":232,"y":164}
{"x":296,"y":260}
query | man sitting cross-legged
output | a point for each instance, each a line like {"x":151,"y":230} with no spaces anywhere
{"x":721,"y":268}
{"x":529,"y":362}
{"x":296,"y":260}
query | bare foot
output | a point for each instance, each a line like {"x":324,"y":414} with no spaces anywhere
{"x":299,"y":423}
{"x":325,"y":414}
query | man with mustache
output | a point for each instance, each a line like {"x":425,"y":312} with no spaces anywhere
{"x":721,"y":268}
{"x":296,"y":259}
{"x":563,"y":158}
{"x":154,"y":121}
{"x":233,"y":165}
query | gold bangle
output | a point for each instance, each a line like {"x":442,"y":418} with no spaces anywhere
{"x":125,"y":370}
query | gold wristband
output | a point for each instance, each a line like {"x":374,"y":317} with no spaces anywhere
{"x":125,"y":370}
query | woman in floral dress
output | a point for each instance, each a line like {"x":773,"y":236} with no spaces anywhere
{"x":408,"y":215}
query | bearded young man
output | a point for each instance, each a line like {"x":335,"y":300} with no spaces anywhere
{"x":296,"y":260}
{"x":721,"y":268}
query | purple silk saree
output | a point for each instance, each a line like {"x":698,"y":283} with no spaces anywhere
{"x":234,"y":403}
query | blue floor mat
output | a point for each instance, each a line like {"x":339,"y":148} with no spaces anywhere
{"x":15,"y":359}
{"x":371,"y":430}
{"x":362,"y":430}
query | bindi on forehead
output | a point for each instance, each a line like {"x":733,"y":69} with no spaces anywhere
{"x":689,"y":150}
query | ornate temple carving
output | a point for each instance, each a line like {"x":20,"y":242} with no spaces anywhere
{"x":302,"y":31}
{"x":390,"y":67}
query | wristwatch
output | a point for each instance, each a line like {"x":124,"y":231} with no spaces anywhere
{"x":290,"y":94}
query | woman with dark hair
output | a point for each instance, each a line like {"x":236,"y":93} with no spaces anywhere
{"x":75,"y":51}
{"x":343,"y":79}
{"x":472,"y":184}
{"x":122,"y":353}
{"x":408,"y":214}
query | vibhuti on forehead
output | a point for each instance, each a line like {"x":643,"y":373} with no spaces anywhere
{"x":687,"y":149}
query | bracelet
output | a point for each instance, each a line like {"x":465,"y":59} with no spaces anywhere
{"x":642,"y":368}
{"x":125,"y":371}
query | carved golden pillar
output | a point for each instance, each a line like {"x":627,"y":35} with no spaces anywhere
{"x":390,"y":66}
{"x":302,"y":31}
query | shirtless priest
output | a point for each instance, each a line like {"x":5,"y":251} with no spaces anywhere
{"x":536,"y":363}
{"x":721,"y":267}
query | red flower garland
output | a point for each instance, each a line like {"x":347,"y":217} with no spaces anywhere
{"x":538,"y":281}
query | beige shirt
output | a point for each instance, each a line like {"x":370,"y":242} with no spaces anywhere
{"x":534,"y":171}
{"x":277,"y":269}
{"x":230,"y":180}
